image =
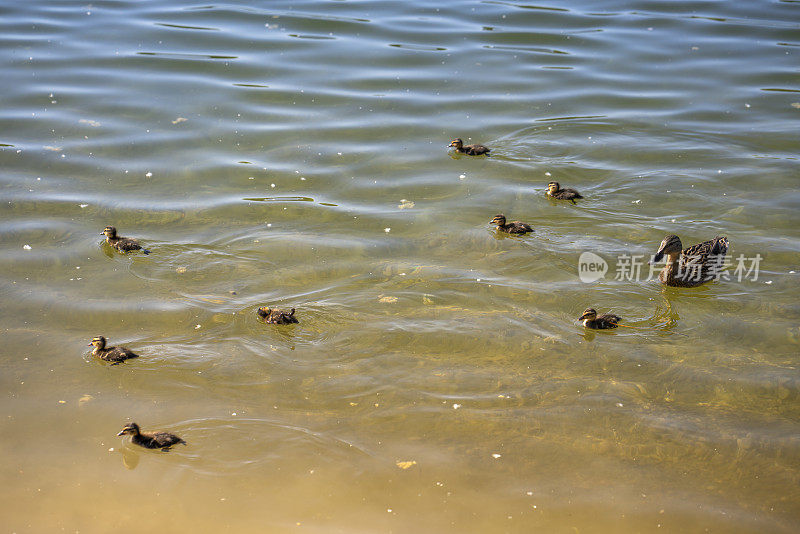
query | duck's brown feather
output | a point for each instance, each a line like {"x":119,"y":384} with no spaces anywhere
{"x":697,"y":264}
{"x":157,"y":440}
{"x":125,"y":244}
{"x":277,"y":316}
{"x":475,"y":150}
{"x":115,"y":354}
{"x":603,"y":322}
{"x":566,"y":194}
{"x":515,"y":227}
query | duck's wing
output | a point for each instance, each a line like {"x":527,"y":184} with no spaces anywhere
{"x":567,"y":194}
{"x":118,"y":354}
{"x":476,"y":150}
{"x":165,"y":439}
{"x":280,"y":317}
{"x":705,"y":259}
{"x":713,"y":247}
{"x":126,"y":244}
{"x":609,"y":318}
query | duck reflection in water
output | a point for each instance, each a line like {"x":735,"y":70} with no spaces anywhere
{"x":130,"y":458}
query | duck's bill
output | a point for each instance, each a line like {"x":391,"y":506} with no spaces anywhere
{"x":90,"y":344}
{"x":657,"y":258}
{"x":121,"y":433}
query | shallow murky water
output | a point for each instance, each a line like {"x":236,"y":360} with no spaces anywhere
{"x":294,"y":154}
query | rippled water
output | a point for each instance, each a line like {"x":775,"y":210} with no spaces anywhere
{"x":294,"y":154}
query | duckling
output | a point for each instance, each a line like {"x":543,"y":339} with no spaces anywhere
{"x":514,"y":227}
{"x":122,"y":244}
{"x":693,"y":266}
{"x":470,"y":150}
{"x":115,"y":355}
{"x":155,"y":440}
{"x":271,"y":316}
{"x":592,"y":320}
{"x":554,"y":191}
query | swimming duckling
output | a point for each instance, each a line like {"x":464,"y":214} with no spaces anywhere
{"x":156,"y":440}
{"x":554,"y":191}
{"x":592,"y":320}
{"x":693,"y":266}
{"x":470,"y":150}
{"x":122,"y":244}
{"x":514,"y":227}
{"x":114,"y":355}
{"x":271,"y":316}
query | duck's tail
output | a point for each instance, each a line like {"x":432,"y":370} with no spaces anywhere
{"x":145,"y":251}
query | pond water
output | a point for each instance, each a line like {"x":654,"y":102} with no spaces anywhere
{"x":294,"y":154}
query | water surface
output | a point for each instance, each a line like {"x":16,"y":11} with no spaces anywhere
{"x":294,"y":154}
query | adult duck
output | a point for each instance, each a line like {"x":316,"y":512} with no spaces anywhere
{"x":692,"y":266}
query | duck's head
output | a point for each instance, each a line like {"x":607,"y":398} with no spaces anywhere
{"x":98,"y":342}
{"x":264,"y":312}
{"x":110,"y":231}
{"x":588,"y":314}
{"x":552,"y":187}
{"x":130,"y":428}
{"x":457,"y":142}
{"x":670,"y":245}
{"x":499,"y":220}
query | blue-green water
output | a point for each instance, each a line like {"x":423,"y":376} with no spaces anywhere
{"x":295,"y":154}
